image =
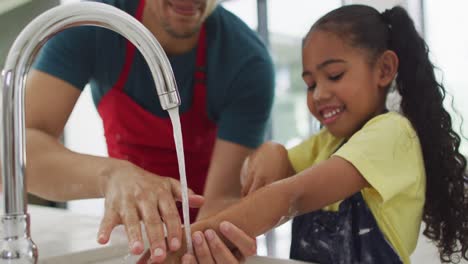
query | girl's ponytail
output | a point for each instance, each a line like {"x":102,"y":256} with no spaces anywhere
{"x":446,"y":207}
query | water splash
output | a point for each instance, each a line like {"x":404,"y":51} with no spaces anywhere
{"x":174,"y":115}
{"x":128,"y":259}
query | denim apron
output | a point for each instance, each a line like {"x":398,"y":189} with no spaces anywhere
{"x":347,"y":236}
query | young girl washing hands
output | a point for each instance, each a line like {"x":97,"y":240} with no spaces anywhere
{"x":360,"y":188}
{"x":374,"y":174}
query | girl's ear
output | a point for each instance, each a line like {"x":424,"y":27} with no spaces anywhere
{"x":387,"y":68}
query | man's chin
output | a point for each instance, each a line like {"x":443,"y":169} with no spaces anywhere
{"x":182,"y":34}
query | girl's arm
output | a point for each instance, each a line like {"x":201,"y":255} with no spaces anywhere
{"x":312,"y":189}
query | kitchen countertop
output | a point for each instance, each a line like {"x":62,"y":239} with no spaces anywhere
{"x":65,"y":237}
{"x":61,"y":235}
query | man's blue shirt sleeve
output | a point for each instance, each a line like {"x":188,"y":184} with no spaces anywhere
{"x":69,"y":56}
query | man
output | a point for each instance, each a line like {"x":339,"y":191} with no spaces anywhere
{"x":225,"y":80}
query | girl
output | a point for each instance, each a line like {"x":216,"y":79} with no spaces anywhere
{"x":360,"y":188}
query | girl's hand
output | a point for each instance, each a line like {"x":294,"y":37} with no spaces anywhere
{"x":269,"y":163}
{"x":133,"y":195}
{"x":210,"y":249}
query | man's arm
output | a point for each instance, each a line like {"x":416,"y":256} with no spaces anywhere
{"x":222,"y":186}
{"x":54,"y":172}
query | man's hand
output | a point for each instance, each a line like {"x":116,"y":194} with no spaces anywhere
{"x":133,"y":195}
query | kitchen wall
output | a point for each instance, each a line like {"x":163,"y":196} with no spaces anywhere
{"x":14,"y":16}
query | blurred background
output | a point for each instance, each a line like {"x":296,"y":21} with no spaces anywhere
{"x":281,"y":24}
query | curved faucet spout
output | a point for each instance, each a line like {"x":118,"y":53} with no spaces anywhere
{"x":17,"y":65}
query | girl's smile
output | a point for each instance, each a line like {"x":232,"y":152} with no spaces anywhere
{"x":330,"y":114}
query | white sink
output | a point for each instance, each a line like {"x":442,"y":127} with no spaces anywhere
{"x":65,"y":237}
{"x":251,"y":260}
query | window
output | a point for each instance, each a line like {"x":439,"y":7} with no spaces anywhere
{"x":449,"y":52}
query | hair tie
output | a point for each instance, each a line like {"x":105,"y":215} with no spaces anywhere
{"x":386,"y":18}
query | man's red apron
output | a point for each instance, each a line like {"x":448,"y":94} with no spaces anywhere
{"x":134,"y":134}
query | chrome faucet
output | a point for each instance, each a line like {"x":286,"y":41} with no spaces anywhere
{"x":16,"y":245}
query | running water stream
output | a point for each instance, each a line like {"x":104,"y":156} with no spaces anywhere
{"x":174,"y":115}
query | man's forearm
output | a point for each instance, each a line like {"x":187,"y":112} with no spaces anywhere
{"x":59,"y":174}
{"x":222,"y":186}
{"x":213,"y":206}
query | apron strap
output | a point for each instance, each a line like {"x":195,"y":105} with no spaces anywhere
{"x":200,"y":64}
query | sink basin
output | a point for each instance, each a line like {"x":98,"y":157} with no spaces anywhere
{"x":251,"y":260}
{"x":65,"y":237}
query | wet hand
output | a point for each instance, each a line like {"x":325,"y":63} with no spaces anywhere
{"x":133,"y":195}
{"x":269,"y":163}
{"x":210,"y":249}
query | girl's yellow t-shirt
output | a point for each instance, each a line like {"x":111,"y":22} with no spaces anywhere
{"x":387,"y":153}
